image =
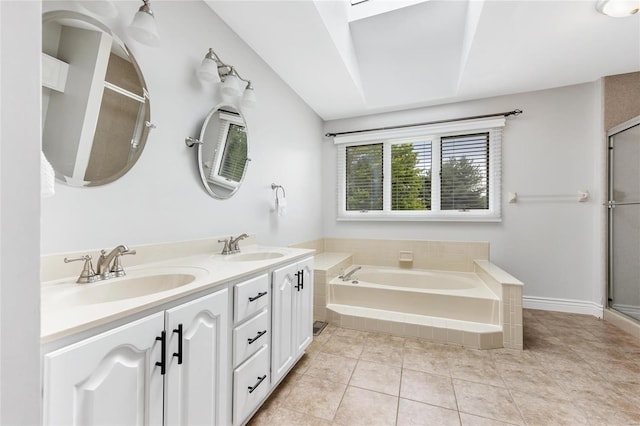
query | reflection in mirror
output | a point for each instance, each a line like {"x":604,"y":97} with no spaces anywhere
{"x":223,"y":151}
{"x":95,"y":105}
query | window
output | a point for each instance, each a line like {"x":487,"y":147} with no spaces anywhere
{"x":438,"y":172}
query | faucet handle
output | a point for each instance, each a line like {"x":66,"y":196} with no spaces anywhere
{"x":225,"y":249}
{"x":116,"y":268}
{"x":88,"y":275}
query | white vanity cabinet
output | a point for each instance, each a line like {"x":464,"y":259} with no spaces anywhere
{"x":197,"y":374}
{"x":251,"y":346}
{"x":111,"y":378}
{"x":126,"y":375}
{"x":292,"y":315}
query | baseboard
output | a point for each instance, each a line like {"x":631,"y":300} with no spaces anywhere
{"x":563,"y":305}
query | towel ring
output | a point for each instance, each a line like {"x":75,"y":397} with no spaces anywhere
{"x":277,"y":187}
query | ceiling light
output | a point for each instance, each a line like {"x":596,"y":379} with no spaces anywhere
{"x":618,"y":8}
{"x":212,"y":69}
{"x":144,"y":28}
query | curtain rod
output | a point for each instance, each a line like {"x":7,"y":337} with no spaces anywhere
{"x":515,"y":112}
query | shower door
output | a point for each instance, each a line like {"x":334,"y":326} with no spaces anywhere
{"x":624,"y":219}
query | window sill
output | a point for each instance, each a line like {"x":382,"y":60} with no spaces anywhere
{"x":462,"y":217}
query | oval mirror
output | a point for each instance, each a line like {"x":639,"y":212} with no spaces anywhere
{"x":223,"y":151}
{"x":95,"y":104}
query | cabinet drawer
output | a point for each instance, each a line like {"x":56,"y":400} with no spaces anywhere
{"x":251,"y":383}
{"x":250,"y":297}
{"x":251,"y":336}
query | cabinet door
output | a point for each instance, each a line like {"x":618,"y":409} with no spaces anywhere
{"x":303,"y":307}
{"x":282,"y":354}
{"x":197,"y":388}
{"x":108,"y":379}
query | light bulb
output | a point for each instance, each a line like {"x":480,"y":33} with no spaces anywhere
{"x":208,"y":71}
{"x":231,"y":86}
{"x":144,"y":28}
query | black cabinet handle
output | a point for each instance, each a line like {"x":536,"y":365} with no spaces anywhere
{"x":299,"y":277}
{"x":259,"y":335}
{"x":251,"y":299}
{"x":163,"y":355}
{"x":179,"y":353}
{"x":254,"y":387}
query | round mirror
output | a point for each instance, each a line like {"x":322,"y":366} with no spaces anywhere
{"x":95,"y":104}
{"x":223,"y":151}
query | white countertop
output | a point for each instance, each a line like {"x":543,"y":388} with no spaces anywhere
{"x":64,"y":310}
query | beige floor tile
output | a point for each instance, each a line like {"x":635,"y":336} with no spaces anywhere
{"x":548,"y":411}
{"x":284,"y":416}
{"x":377,"y":339}
{"x":332,"y":367}
{"x":428,"y":388}
{"x":481,"y":373}
{"x":382,"y":354}
{"x":486,"y":401}
{"x":344,"y":346}
{"x":418,"y":413}
{"x":530,"y":379}
{"x":426,"y":361}
{"x":315,"y":396}
{"x":354,"y":334}
{"x":471,"y":420}
{"x":364,"y":407}
{"x":512,"y":356}
{"x":377,"y":377}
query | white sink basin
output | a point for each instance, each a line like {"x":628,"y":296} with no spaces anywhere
{"x":130,"y":287}
{"x":252,"y":257}
{"x":135,"y":284}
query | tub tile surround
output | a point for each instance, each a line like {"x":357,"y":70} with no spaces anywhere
{"x":558,"y":379}
{"x":334,"y":255}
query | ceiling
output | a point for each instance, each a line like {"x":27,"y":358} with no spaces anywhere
{"x":389,"y":55}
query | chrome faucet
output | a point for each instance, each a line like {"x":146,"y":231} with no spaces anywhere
{"x":104,"y":267}
{"x":347,"y":276}
{"x":234,"y":247}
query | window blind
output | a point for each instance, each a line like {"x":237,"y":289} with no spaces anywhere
{"x":234,"y":156}
{"x":464,"y":172}
{"x":364,"y":177}
{"x":411,"y":176}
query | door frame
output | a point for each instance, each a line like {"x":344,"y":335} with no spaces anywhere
{"x":610,"y":205}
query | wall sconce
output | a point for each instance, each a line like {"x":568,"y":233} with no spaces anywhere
{"x":618,"y":8}
{"x":144,"y":28}
{"x":212,"y":69}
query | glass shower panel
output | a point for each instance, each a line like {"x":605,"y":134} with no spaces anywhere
{"x":624,"y":220}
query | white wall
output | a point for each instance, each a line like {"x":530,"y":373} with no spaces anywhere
{"x":19,"y":216}
{"x":162,"y":199}
{"x":555,"y":147}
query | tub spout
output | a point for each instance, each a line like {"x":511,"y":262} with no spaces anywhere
{"x":346,"y":276}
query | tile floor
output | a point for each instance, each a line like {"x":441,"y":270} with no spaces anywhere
{"x":575,"y":370}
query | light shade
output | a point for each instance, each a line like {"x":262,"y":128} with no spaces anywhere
{"x":144,"y":28}
{"x":248,"y":98}
{"x":618,"y":8}
{"x":231,"y":86}
{"x":208,"y":71}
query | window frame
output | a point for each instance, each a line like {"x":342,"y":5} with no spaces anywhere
{"x":434,"y":133}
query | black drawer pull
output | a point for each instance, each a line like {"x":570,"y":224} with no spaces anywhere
{"x":254,"y":387}
{"x":251,"y":299}
{"x":259,"y":335}
{"x":163,"y":355}
{"x":179,"y":353}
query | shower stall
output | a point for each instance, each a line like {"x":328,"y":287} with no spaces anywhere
{"x":624,"y":219}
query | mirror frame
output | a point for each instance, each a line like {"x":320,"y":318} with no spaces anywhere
{"x":200,"y":160}
{"x":56,"y":15}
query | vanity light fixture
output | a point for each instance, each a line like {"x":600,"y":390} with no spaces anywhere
{"x":618,"y":8}
{"x":213,"y":70}
{"x":144,"y":28}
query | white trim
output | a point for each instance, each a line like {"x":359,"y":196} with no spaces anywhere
{"x":421,"y":131}
{"x":563,"y":305}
